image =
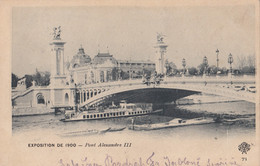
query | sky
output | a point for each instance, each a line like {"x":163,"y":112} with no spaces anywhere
{"x":129,"y":33}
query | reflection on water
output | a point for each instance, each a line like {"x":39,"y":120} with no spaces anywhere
{"x":42,"y":126}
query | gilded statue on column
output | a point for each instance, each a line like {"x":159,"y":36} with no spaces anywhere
{"x":56,"y":33}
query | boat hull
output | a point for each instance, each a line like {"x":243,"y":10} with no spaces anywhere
{"x":87,"y":116}
{"x":84,"y":133}
{"x":171,"y":125}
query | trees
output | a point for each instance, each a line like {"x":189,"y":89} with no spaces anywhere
{"x":14,"y":80}
{"x":170,"y":68}
{"x":246,"y":64}
{"x":147,"y":72}
{"x":248,"y":70}
{"x":124,"y":75}
{"x":119,"y":74}
{"x":115,"y":73}
{"x":193,"y":71}
{"x":42,"y":78}
{"x":241,"y":62}
{"x":46,"y":79}
{"x":213,"y":69}
{"x":28,"y":80}
{"x":203,"y":67}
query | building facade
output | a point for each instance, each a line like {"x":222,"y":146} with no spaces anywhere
{"x":84,"y":70}
{"x":67,"y":76}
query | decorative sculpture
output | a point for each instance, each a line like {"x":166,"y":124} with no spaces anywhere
{"x":56,"y":33}
{"x":160,"y":37}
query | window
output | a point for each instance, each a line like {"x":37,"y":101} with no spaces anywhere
{"x":66,"y":98}
{"x":40,"y":99}
{"x":84,"y":96}
{"x":86,"y":76}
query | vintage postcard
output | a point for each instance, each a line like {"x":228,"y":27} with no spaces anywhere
{"x":156,"y":83}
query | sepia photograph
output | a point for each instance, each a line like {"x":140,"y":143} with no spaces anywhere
{"x":127,"y":79}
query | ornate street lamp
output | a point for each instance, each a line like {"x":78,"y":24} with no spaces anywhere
{"x":130,"y":72}
{"x":183,"y":65}
{"x":217,"y":52}
{"x":230,"y":61}
{"x":205,"y":62}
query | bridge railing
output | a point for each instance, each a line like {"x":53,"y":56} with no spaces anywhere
{"x":195,"y":80}
{"x":212,"y":79}
{"x":112,"y":83}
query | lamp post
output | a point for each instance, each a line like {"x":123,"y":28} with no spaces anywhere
{"x":205,"y":62}
{"x":130,"y":73}
{"x":217,"y":52}
{"x":230,"y":61}
{"x":183,"y":65}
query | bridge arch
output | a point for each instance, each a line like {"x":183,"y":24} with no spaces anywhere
{"x":183,"y":88}
{"x":87,"y":95}
{"x":95,"y":92}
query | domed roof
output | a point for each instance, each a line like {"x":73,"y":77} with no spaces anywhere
{"x":80,"y":59}
{"x":101,"y":58}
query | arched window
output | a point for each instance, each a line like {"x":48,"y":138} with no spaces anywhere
{"x":40,"y":99}
{"x":87,"y":95}
{"x":84,"y":96}
{"x":92,"y":77}
{"x":66,"y":98}
{"x":75,"y":65}
{"x":102,"y":79}
{"x":86,"y":78}
{"x":109,"y":75}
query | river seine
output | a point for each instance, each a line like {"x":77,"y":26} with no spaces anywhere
{"x":40,"y":127}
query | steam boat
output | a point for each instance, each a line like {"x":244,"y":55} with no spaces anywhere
{"x":123,"y":110}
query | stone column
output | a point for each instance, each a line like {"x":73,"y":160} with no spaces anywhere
{"x":57,"y":71}
{"x":58,"y":77}
{"x":160,"y":55}
{"x":105,"y":75}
